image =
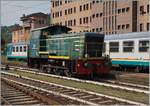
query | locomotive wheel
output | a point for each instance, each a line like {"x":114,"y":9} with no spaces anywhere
{"x":56,"y":71}
{"x":92,"y":75}
{"x":66,"y":72}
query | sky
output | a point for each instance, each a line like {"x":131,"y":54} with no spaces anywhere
{"x":12,"y":10}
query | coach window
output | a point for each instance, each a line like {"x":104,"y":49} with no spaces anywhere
{"x":13,"y":49}
{"x":114,"y":46}
{"x":20,"y":48}
{"x":17,"y":49}
{"x":25,"y":48}
{"x":143,"y":46}
{"x":128,"y":46}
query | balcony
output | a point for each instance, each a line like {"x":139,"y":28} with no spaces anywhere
{"x":26,"y":25}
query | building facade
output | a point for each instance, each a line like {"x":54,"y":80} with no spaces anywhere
{"x":32,"y":21}
{"x":104,"y":16}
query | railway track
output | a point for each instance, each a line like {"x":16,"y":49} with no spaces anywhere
{"x":110,"y":83}
{"x":14,"y":93}
{"x":68,"y":92}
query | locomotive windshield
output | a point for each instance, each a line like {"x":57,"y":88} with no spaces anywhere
{"x":93,"y":45}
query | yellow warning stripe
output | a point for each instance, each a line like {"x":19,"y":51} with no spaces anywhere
{"x":59,"y":57}
{"x":43,"y":52}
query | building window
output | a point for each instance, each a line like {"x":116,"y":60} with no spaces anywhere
{"x":43,"y":21}
{"x":84,"y":21}
{"x":101,"y":14}
{"x":65,"y":12}
{"x":128,"y":46}
{"x":74,"y":9}
{"x":127,"y":9}
{"x":143,"y":46}
{"x":93,"y":16}
{"x":90,"y":5}
{"x":68,"y":11}
{"x":123,"y":26}
{"x":39,"y":21}
{"x":114,"y":46}
{"x":119,"y":11}
{"x":60,"y":2}
{"x":70,"y":22}
{"x":53,"y":3}
{"x":100,"y":29}
{"x":147,"y":26}
{"x":127,"y":26}
{"x":80,"y":8}
{"x":123,"y":10}
{"x":148,"y":8}
{"x":71,"y":10}
{"x":74,"y":22}
{"x":97,"y":30}
{"x":87,"y":20}
{"x":60,"y":13}
{"x":65,"y":23}
{"x":53,"y":15}
{"x":141,"y":27}
{"x":93,"y":30}
{"x":84,"y":7}
{"x":80,"y":20}
{"x":87,"y":6}
{"x":93,"y":1}
{"x":97,"y":1}
{"x":119,"y":27}
{"x":141,"y":9}
{"x":97,"y":15}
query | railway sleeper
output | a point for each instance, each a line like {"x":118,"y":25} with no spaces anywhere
{"x":31,"y":93}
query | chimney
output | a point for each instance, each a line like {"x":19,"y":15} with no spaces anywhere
{"x":23,"y":15}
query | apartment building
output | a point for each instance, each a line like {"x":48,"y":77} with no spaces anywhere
{"x":31,"y":21}
{"x":104,"y":16}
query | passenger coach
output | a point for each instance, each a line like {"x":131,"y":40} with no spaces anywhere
{"x":129,"y":50}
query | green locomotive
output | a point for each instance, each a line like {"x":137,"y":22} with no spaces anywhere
{"x":56,"y":51}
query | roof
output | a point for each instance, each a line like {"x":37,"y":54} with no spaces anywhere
{"x":39,"y":14}
{"x":53,"y":27}
{"x":17,"y":28}
{"x":131,"y":35}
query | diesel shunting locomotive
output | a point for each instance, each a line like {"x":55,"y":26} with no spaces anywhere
{"x":54,"y":50}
